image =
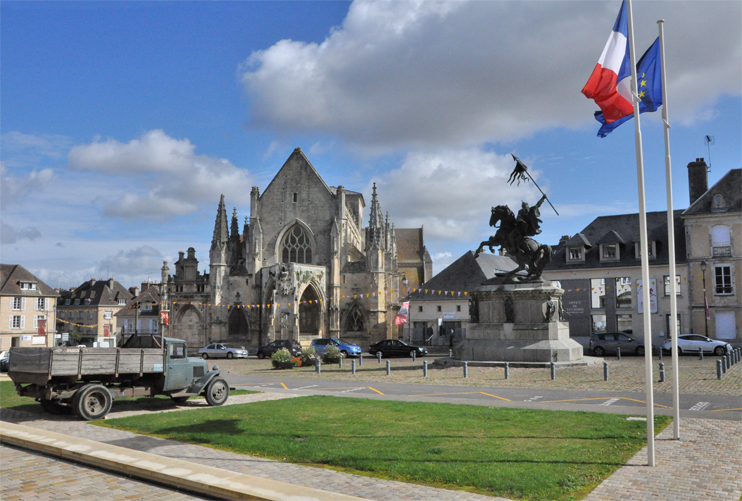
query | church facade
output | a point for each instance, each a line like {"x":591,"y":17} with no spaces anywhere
{"x":303,"y":266}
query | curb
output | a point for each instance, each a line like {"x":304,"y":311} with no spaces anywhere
{"x":202,"y":479}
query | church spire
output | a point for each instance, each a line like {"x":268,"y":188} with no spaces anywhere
{"x":235,"y":229}
{"x":221,"y":234}
{"x":374,"y":232}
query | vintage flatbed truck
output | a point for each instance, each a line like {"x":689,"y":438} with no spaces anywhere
{"x":87,"y":380}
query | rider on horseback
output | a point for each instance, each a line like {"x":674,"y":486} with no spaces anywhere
{"x":528,"y":222}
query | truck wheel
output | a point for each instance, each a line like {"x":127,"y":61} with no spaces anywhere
{"x":217,"y":391}
{"x":52,"y":407}
{"x":92,"y":402}
{"x":180,"y":400}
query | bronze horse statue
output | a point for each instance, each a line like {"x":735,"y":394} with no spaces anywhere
{"x":522,"y":248}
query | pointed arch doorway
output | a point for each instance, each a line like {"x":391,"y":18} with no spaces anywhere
{"x":238,"y":324}
{"x":310,"y":314}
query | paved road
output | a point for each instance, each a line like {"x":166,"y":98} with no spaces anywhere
{"x":723,"y":407}
{"x":35,"y":477}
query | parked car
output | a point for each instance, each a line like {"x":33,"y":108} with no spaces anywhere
{"x":4,"y":361}
{"x":396,"y":348}
{"x":221,"y":350}
{"x":608,"y":343}
{"x":292,"y":345}
{"x":690,"y":343}
{"x":346,"y":349}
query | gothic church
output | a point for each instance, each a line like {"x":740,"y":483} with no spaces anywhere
{"x":305,"y":257}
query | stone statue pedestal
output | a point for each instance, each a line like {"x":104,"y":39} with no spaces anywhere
{"x":518,"y":322}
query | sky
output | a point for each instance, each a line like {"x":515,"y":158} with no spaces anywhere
{"x":122,"y":123}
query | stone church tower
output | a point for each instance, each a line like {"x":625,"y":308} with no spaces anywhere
{"x":303,"y":266}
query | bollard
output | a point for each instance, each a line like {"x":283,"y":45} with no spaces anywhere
{"x":388,"y":367}
{"x":507,"y":370}
{"x":662,"y":372}
{"x":414,"y":355}
{"x":318,"y":366}
{"x":340,"y":362}
{"x":466,"y":369}
{"x":660,"y":352}
{"x":553,"y":371}
{"x":378,"y":356}
{"x":352,"y":366}
{"x":729,"y":361}
{"x":425,"y":368}
{"x":618,"y":353}
{"x":723,"y":365}
{"x":605,"y":371}
{"x":360,"y":360}
{"x":700,"y":353}
{"x":718,"y":369}
{"x":450,"y":353}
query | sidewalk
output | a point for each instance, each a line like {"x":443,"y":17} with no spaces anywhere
{"x":703,"y":465}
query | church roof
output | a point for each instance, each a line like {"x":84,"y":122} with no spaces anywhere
{"x":410,"y":245}
{"x":298,"y":156}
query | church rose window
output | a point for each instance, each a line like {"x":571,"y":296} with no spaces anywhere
{"x":296,"y":248}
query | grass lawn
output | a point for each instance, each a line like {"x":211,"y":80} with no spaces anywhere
{"x":9,"y":399}
{"x":514,"y":453}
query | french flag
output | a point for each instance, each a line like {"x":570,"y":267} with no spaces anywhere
{"x":610,"y":83}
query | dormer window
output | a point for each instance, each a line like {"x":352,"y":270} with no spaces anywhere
{"x":576,"y":254}
{"x":122,"y":302}
{"x":609,"y":252}
{"x":87,"y":301}
{"x":77,"y":301}
{"x":652,"y":245}
{"x":28,"y":286}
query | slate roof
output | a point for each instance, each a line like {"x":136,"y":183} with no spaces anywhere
{"x":729,"y":186}
{"x":12,"y":274}
{"x":410,"y":245}
{"x":100,"y":293}
{"x":611,"y":238}
{"x":627,"y":227}
{"x":466,"y":273}
{"x":151,"y":295}
{"x":577,"y":241}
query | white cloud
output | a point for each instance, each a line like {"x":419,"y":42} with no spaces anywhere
{"x":10,"y":235}
{"x":400,"y":73}
{"x":14,"y":189}
{"x":169,"y":179}
{"x":451,"y":192}
{"x":23,"y":150}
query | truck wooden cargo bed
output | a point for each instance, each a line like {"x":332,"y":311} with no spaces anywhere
{"x":39,"y":365}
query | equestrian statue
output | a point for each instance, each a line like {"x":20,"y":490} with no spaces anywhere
{"x":514,"y":232}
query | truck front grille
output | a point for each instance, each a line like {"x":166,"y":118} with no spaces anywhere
{"x":198,"y":371}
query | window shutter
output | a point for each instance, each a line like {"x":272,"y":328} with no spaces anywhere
{"x":23,"y":303}
{"x":35,"y":321}
{"x":46,"y":303}
{"x":10,"y":322}
{"x":23,"y":321}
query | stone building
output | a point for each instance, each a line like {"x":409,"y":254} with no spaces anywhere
{"x":302,"y":266}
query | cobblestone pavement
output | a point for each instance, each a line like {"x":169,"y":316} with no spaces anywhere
{"x":34,"y":477}
{"x":319,"y":478}
{"x":696,"y":376}
{"x":706,"y":464}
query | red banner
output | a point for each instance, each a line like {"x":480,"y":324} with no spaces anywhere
{"x":165,"y":316}
{"x":106,"y":330}
{"x":42,"y":327}
{"x":404,"y":312}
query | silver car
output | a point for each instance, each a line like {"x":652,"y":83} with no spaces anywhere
{"x":692,"y":343}
{"x":221,"y":350}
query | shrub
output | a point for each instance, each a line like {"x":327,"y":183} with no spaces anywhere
{"x":281,"y":355}
{"x":332,"y":353}
{"x":308,"y":356}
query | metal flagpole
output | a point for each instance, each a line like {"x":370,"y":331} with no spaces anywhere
{"x":644,"y":246}
{"x":670,"y":244}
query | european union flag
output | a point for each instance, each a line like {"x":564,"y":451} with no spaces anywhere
{"x":649,"y":73}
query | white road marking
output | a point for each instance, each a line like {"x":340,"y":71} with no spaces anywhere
{"x":304,"y":387}
{"x":699,"y":406}
{"x":533,"y":399}
{"x":609,"y":402}
{"x":354,"y":389}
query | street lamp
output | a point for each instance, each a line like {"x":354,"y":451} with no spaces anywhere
{"x":705,"y":301}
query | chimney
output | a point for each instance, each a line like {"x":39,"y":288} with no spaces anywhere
{"x":564,"y":239}
{"x":145,"y":286}
{"x":110,"y":283}
{"x":92,"y":282}
{"x":698,"y":179}
{"x":134,"y":291}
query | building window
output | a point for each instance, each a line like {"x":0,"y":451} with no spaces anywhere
{"x":90,"y":314}
{"x":41,"y":303}
{"x":623,"y":292}
{"x":36,"y":319}
{"x":439,"y":308}
{"x":721,"y":241}
{"x":296,"y":197}
{"x":623,"y":322}
{"x":67,"y":301}
{"x":87,"y":301}
{"x":652,"y":245}
{"x":28,"y":286}
{"x":17,"y":303}
{"x":355,"y":320}
{"x":61,"y":314}
{"x":726,"y":327}
{"x":79,"y":314}
{"x":108,"y":315}
{"x":598,"y":322}
{"x":17,"y":321}
{"x":609,"y":252}
{"x":77,"y":301}
{"x":146,"y":306}
{"x":576,"y":254}
{"x":296,"y":246}
{"x":597,"y":293}
{"x":667,"y":285}
{"x":420,"y":309}
{"x":458,"y":307}
{"x":723,"y":279}
{"x":122,"y":302}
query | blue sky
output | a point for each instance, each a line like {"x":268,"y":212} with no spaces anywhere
{"x":122,"y":123}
